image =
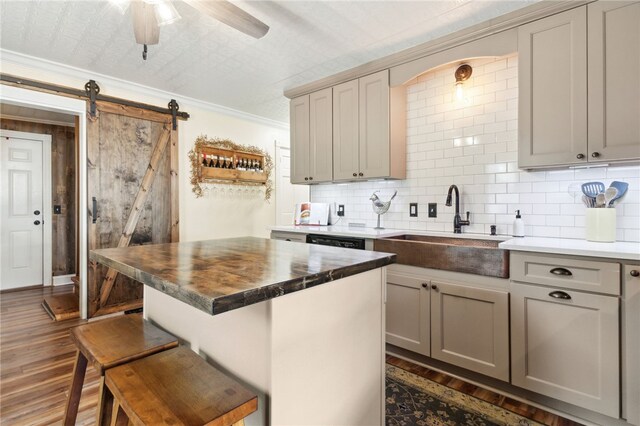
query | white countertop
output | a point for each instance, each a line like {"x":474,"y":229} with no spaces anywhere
{"x":362,"y":232}
{"x":617,"y":250}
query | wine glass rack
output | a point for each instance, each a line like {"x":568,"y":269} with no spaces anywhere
{"x":226,"y":164}
{"x":223,"y":162}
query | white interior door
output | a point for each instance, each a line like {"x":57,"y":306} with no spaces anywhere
{"x":287,"y":195}
{"x":22,"y":210}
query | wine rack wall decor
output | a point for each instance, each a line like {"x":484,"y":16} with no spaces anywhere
{"x":221,"y":161}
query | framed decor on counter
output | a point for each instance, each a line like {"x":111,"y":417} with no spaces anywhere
{"x":221,"y":161}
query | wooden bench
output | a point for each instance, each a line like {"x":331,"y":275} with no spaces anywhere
{"x":177,"y":387}
{"x":107,"y":344}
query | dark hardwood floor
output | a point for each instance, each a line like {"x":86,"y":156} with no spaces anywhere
{"x":37,"y":355}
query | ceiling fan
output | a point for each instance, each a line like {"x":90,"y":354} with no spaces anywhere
{"x":149,"y":15}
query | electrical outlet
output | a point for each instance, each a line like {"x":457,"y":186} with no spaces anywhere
{"x":340,"y":210}
{"x":413,"y":209}
{"x":433,"y":209}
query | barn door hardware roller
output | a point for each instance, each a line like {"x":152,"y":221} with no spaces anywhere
{"x":174,"y":107}
{"x":92,"y":90}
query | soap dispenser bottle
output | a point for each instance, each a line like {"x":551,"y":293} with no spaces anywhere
{"x":518,"y":225}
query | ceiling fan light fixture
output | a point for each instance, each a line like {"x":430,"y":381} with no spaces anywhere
{"x":166,"y":13}
{"x":121,"y":5}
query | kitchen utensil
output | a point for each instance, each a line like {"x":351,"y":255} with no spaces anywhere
{"x":622,"y":189}
{"x":600,"y":199}
{"x":609,"y":194}
{"x":592,"y":189}
{"x":588,"y":201}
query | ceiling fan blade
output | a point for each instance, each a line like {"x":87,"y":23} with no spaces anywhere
{"x":230,"y":14}
{"x":145,"y":25}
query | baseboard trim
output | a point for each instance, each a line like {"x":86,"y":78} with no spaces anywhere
{"x":63,"y":279}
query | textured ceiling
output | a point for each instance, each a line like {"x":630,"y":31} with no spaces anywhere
{"x":204,"y":59}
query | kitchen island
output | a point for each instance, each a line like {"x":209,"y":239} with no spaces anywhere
{"x":301,"y":324}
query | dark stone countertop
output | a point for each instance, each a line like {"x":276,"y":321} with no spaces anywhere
{"x":217,"y":276}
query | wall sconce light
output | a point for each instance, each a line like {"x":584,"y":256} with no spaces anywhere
{"x":462,"y":74}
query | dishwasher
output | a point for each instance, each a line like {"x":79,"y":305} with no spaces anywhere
{"x":345,"y":242}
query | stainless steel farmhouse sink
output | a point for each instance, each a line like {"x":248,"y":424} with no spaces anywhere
{"x":472,"y":256}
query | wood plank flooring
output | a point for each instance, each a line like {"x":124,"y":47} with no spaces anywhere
{"x":36,"y":362}
{"x":37,"y":355}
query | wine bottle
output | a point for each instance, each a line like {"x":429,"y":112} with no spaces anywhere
{"x":211,"y":162}
{"x":204,"y":160}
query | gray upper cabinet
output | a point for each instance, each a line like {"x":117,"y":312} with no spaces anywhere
{"x":614,"y":87}
{"x":552,"y":73}
{"x":346,"y":163}
{"x":312,"y":138}
{"x":357,"y":131}
{"x":374,"y":148}
{"x":577,"y":101}
{"x":299,"y":127}
{"x":369,"y":129}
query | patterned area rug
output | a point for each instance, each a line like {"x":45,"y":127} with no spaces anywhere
{"x":413,"y":400}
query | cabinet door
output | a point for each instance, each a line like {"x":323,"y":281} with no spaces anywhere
{"x":374,"y":145}
{"x":345,"y":131}
{"x":631,"y":355}
{"x":320,"y":136}
{"x":470,"y":328}
{"x":614,"y":87}
{"x":408,"y":313}
{"x":552,"y":73}
{"x":299,"y":127}
{"x":566,"y":349}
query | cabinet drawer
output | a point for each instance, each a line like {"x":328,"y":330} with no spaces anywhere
{"x":566,"y":272}
{"x":289,"y":236}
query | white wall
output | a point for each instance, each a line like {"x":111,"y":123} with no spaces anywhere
{"x":474,"y":145}
{"x":218,"y":214}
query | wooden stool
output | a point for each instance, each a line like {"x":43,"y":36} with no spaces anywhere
{"x":106,"y":344}
{"x":177,"y":387}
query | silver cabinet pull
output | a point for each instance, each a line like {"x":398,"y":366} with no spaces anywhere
{"x":560,"y":295}
{"x":561,"y":271}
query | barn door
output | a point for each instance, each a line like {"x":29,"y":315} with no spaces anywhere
{"x":132,"y":195}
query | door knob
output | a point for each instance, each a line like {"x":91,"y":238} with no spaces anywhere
{"x":37,"y":212}
{"x":36,"y":222}
{"x":634,"y":273}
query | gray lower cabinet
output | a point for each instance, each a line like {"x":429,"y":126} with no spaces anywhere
{"x":564,"y":344}
{"x":408,"y":313}
{"x":631,"y":347}
{"x":462,"y":325}
{"x":470,"y":328}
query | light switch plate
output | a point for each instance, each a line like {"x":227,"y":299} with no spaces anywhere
{"x":433,"y":209}
{"x":413,"y":209}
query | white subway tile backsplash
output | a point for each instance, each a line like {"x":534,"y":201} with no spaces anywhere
{"x":473,"y":144}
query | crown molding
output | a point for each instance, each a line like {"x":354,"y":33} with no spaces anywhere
{"x":487,"y":28}
{"x":107,"y":82}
